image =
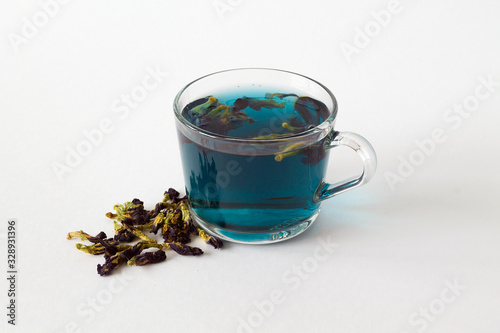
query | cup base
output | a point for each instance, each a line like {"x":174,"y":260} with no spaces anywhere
{"x":271,"y":236}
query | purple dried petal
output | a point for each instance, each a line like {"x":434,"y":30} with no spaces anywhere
{"x":240,"y":104}
{"x":110,"y":264}
{"x":154,"y":212}
{"x":155,"y":228}
{"x":98,"y":237}
{"x":185,"y":250}
{"x":132,"y":251}
{"x":172,"y":193}
{"x":176,"y":235}
{"x":124,"y":236}
{"x":150,"y":258}
{"x":109,"y":246}
{"x":137,"y":202}
{"x":216,"y":242}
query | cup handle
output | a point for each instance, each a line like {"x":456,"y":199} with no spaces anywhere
{"x":367,"y":154}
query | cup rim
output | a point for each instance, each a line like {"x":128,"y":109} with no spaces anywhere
{"x":318,"y":128}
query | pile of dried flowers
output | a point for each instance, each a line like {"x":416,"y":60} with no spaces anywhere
{"x":170,"y":217}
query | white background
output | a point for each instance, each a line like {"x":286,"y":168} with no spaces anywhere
{"x":397,"y":247}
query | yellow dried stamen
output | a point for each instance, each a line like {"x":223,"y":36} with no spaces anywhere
{"x":91,"y":249}
{"x":78,"y":234}
{"x":203,"y":234}
{"x":111,"y":215}
{"x":117,"y":226}
{"x":289,"y":151}
{"x":185,"y":211}
{"x":224,"y":117}
{"x":289,"y":127}
{"x":218,"y":109}
{"x":271,"y":136}
{"x":168,"y":220}
{"x":200,"y":109}
{"x":158,"y":219}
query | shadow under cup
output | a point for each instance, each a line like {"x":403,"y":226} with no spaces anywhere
{"x":238,"y":189}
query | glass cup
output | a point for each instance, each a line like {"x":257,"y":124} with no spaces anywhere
{"x":265,"y":189}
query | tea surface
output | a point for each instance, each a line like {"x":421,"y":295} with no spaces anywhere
{"x":256,"y":115}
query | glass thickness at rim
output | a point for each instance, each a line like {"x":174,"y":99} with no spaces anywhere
{"x":317,"y":132}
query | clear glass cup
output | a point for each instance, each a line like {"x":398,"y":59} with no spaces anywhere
{"x":262,"y":190}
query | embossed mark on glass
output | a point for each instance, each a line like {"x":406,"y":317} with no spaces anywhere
{"x":255,"y":146}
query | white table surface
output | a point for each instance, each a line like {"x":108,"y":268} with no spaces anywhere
{"x":415,"y":250}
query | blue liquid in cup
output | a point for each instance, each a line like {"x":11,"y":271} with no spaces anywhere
{"x":252,"y":194}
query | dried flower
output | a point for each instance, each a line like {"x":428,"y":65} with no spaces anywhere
{"x":311,"y":110}
{"x":216,"y":242}
{"x":109,"y":265}
{"x":158,"y":223}
{"x":99,"y":248}
{"x":148,"y":258}
{"x":122,"y":234}
{"x":91,"y":249}
{"x":201,"y":109}
{"x":240,"y":104}
{"x":134,"y":230}
{"x":183,"y":249}
{"x":86,"y":237}
{"x":171,"y":216}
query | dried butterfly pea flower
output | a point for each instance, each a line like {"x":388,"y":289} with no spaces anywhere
{"x":305,"y":105}
{"x":171,"y":198}
{"x":99,"y":249}
{"x":86,"y":237}
{"x":122,"y":211}
{"x":137,"y":232}
{"x":137,"y":213}
{"x":168,"y":220}
{"x":148,"y":258}
{"x":111,"y":247}
{"x":171,"y":216}
{"x":176,"y":235}
{"x":102,"y":245}
{"x":240,"y":104}
{"x":157,"y":210}
{"x":122,"y":234}
{"x":183,"y":249}
{"x":201,"y":109}
{"x":112,"y":262}
{"x":218,"y":110}
{"x":172,"y":193}
{"x":216,"y":242}
{"x":138,"y":248}
{"x":158,"y":223}
{"x":91,"y":249}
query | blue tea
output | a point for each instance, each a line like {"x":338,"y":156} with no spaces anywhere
{"x":245,"y":193}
